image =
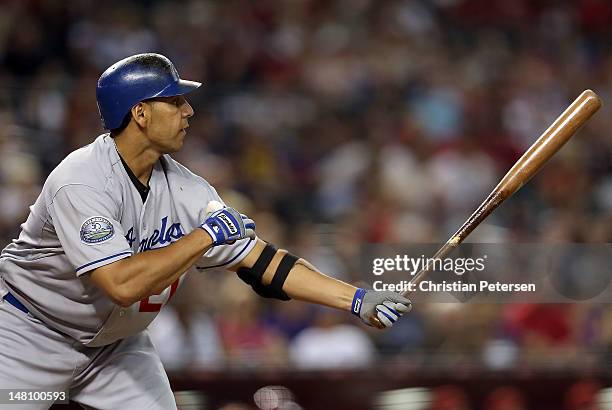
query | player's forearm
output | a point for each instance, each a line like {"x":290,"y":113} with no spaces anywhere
{"x":159,"y":268}
{"x":303,"y":281}
{"x":194,"y":245}
{"x":275,"y":273}
{"x":131,"y":279}
{"x":306,"y":283}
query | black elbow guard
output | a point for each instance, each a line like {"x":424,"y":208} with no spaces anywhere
{"x":253,"y":276}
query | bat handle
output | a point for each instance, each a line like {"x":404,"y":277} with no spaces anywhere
{"x":443,"y":252}
{"x":493,"y":200}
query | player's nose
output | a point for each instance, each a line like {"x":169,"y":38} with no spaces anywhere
{"x":187,"y":109}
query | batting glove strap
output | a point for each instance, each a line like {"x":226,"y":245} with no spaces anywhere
{"x":214,"y":232}
{"x":227,"y":225}
{"x":358,"y":302}
{"x":379,"y":308}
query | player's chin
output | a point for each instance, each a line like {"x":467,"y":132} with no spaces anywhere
{"x":178,"y":141}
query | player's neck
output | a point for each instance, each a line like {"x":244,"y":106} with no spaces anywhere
{"x":139,"y":157}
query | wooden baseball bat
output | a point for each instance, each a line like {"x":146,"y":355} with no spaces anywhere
{"x":557,"y":134}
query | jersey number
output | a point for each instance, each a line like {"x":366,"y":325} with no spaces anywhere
{"x":147,"y":306}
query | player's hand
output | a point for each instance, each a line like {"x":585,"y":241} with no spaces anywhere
{"x":227,"y":225}
{"x":380,"y":309}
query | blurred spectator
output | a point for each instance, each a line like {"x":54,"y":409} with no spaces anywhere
{"x":449,"y":398}
{"x":331,"y":344}
{"x":540,"y":326}
{"x":187,"y":339}
{"x":290,"y":319}
{"x":246,"y":338}
{"x":505,"y":398}
{"x":582,"y":396}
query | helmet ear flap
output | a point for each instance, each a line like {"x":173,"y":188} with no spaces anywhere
{"x":128,"y":118}
{"x":124,"y":123}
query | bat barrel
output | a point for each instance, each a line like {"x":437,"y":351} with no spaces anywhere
{"x":551,"y":140}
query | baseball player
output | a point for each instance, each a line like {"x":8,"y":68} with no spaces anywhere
{"x":108,"y":241}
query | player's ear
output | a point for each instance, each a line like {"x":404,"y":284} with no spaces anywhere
{"x":141,"y":113}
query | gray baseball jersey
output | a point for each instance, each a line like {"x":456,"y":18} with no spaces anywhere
{"x":89,"y":214}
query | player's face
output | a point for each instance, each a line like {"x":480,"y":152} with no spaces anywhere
{"x":169,"y":121}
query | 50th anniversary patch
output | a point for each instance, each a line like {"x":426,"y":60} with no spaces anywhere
{"x":97,"y":229}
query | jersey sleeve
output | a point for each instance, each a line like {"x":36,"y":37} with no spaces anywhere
{"x":224,"y":256}
{"x":86,"y":221}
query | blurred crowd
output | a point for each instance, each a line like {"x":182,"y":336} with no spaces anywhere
{"x":336,"y":124}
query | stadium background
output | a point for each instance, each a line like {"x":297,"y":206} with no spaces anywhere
{"x":317,"y":117}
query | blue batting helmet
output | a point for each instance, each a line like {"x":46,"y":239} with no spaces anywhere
{"x":135,"y":79}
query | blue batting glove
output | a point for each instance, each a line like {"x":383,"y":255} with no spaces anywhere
{"x":227,"y":225}
{"x":379,"y":308}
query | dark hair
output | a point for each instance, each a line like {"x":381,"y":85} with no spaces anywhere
{"x":124,"y":123}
